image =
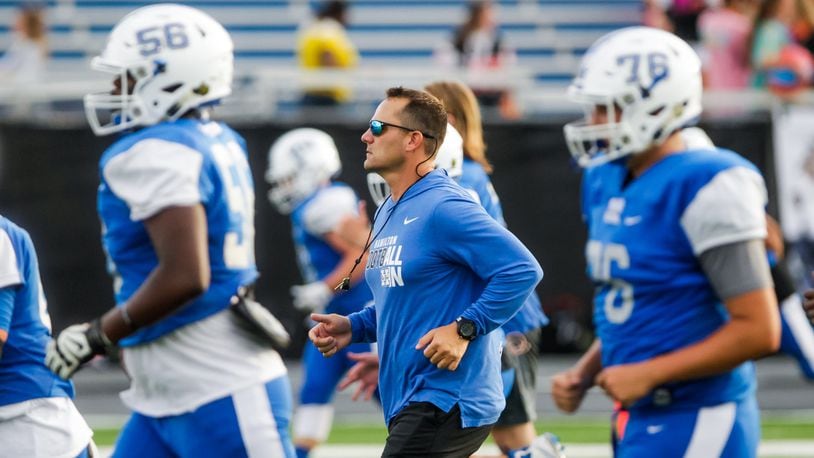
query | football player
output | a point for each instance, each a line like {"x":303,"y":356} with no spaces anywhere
{"x":176,"y":202}
{"x":301,"y":165}
{"x":797,"y":338}
{"x":683,"y":293}
{"x":37,"y":416}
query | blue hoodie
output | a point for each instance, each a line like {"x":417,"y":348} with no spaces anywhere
{"x":438,"y":255}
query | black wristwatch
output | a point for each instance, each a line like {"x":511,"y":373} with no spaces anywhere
{"x":466,"y":328}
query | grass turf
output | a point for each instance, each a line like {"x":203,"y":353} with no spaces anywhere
{"x":572,"y":430}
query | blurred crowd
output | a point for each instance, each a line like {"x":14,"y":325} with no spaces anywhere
{"x":744,"y":43}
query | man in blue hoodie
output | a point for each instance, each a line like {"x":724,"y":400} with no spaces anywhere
{"x":444,"y":274}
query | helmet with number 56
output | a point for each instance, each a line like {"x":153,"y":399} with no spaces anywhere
{"x":646,"y":80}
{"x":167,"y":60}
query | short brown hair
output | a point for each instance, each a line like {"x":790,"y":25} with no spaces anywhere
{"x":423,"y":112}
{"x":461,"y":103}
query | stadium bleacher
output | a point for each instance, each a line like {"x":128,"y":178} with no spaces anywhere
{"x":549,"y":36}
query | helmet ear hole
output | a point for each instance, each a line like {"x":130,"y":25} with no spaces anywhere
{"x":171,"y":88}
{"x":657,"y":111}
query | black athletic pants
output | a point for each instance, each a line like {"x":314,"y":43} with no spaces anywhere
{"x":423,"y":430}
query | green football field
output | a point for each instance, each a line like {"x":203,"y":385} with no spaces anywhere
{"x":571,"y":431}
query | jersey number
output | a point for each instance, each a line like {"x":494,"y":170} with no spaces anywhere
{"x":238,"y":245}
{"x":618,"y":302}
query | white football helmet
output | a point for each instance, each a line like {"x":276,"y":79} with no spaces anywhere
{"x":450,"y":156}
{"x":175,"y":57}
{"x":649,"y":77}
{"x":299,"y":162}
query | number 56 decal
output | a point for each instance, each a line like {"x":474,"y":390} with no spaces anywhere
{"x":152,"y":39}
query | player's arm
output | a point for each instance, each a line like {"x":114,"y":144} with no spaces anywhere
{"x":354,"y":229}
{"x":740,"y":275}
{"x":808,"y":304}
{"x":7,"y":295}
{"x":178,"y":235}
{"x":349,"y":254}
{"x":323,"y":218}
{"x":568,"y":388}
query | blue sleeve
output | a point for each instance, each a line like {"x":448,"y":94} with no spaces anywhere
{"x":493,"y":253}
{"x":363,"y":325}
{"x":490,"y":201}
{"x":7,"y":296}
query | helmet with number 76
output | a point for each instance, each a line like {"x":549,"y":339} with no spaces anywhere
{"x":646,"y":80}
{"x":166,"y":59}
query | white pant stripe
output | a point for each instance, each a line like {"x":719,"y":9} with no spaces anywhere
{"x":257,"y":426}
{"x":313,"y":421}
{"x":792,"y":310}
{"x":712,"y":430}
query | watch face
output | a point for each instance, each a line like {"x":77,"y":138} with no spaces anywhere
{"x":466,"y":329}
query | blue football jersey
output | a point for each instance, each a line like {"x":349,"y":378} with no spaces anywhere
{"x":477,"y":181}
{"x":23,"y":374}
{"x":651,"y":294}
{"x":315,"y":216}
{"x":184,"y":162}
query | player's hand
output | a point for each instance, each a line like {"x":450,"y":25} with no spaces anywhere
{"x":311,"y":297}
{"x":443,"y":346}
{"x":568,"y":389}
{"x":74,"y":346}
{"x":331,"y":334}
{"x":808,"y":304}
{"x":365,"y":371}
{"x":626,"y":383}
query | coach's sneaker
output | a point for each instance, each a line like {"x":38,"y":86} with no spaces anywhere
{"x":547,"y":445}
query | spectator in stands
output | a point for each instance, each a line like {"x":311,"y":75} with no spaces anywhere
{"x":654,"y":15}
{"x":803,"y":27}
{"x":479,"y":46}
{"x":325,"y":44}
{"x":24,"y":61}
{"x":684,"y":16}
{"x":724,"y":34}
{"x":772,"y":32}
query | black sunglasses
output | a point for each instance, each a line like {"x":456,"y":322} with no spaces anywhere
{"x":377,"y":127}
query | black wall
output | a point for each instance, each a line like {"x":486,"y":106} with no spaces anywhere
{"x":48,"y":182}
